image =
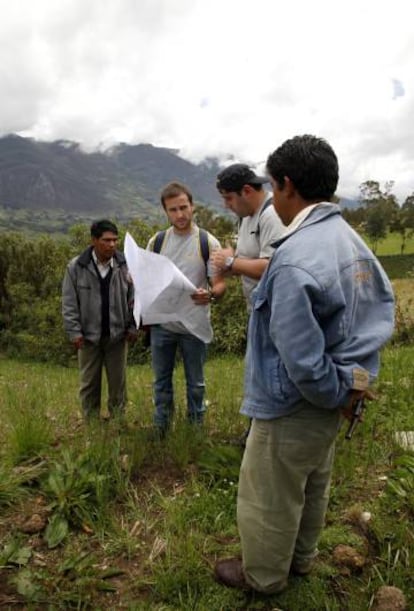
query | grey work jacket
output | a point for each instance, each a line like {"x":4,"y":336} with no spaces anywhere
{"x":81,"y":299}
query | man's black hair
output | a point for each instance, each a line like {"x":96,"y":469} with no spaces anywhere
{"x":311,"y":165}
{"x":99,"y":227}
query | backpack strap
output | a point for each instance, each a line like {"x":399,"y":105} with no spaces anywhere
{"x":267,"y":203}
{"x":204,"y":246}
{"x":158,"y":241}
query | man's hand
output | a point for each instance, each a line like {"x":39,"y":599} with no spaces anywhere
{"x":201,"y":297}
{"x":218,"y":258}
{"x":78,"y":342}
{"x":348,"y":410}
{"x":131,"y":337}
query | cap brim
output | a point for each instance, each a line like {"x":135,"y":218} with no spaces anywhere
{"x":229,"y":185}
{"x":258,"y":180}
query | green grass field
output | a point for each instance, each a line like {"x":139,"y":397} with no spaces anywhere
{"x":391,"y":245}
{"x":104,"y":517}
{"x":134,"y":524}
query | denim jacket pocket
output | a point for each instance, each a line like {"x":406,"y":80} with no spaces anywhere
{"x":287,"y":388}
{"x":268,"y":365}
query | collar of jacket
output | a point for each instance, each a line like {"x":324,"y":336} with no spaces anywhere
{"x":86,"y":257}
{"x":322,"y":211}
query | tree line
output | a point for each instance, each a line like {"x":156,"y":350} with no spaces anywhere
{"x":31,"y":273}
{"x":380,"y":213}
{"x":32,"y":268}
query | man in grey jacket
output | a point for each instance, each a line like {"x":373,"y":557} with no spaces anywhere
{"x":97,"y":301}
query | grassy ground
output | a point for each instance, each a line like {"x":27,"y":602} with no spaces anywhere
{"x":103,"y":517}
{"x":124,"y":522}
{"x":391,"y":245}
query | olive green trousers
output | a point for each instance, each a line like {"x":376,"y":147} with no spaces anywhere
{"x":93,"y":358}
{"x":283,"y":493}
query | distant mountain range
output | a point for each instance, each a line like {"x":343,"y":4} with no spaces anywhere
{"x":124,"y":182}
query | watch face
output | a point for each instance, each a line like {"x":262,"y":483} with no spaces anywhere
{"x":229,"y":262}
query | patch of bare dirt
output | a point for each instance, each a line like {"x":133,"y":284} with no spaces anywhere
{"x":348,"y":559}
{"x":389,"y":598}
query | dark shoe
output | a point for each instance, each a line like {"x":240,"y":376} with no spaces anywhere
{"x":303,"y":568}
{"x":230,"y":573}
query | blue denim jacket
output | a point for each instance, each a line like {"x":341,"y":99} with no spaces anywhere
{"x":321,"y":312}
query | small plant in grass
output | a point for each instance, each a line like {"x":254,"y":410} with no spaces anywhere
{"x":26,"y":582}
{"x":15,"y":553}
{"x":79,"y":488}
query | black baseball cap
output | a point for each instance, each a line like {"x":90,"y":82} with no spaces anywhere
{"x":234,"y":177}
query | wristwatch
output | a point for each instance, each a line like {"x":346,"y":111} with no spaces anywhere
{"x":228,"y":262}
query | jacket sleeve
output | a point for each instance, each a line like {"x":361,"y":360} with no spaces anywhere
{"x":132,"y":326}
{"x":299,"y":338}
{"x":70,"y":306}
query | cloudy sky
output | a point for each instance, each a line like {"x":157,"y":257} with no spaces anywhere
{"x":216,"y":77}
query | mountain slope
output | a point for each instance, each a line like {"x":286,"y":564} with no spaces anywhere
{"x":126,"y":180}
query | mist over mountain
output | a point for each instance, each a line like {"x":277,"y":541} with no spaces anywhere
{"x":51,"y":185}
{"x":124,"y":181}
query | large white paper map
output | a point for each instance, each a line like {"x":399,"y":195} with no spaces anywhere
{"x":162,"y":292}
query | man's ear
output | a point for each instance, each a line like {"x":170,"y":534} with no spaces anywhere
{"x":246,"y":190}
{"x":289,"y":187}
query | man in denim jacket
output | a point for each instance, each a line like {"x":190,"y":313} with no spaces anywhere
{"x":321,"y":313}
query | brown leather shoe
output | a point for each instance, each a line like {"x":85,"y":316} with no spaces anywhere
{"x":230,"y":573}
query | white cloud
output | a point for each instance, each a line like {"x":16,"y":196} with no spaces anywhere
{"x":215,"y":77}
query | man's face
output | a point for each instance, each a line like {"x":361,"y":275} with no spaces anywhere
{"x":237,"y":203}
{"x":105,"y":246}
{"x":281,"y":202}
{"x":179,"y":211}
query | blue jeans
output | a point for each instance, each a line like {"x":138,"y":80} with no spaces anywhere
{"x":164,"y":346}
